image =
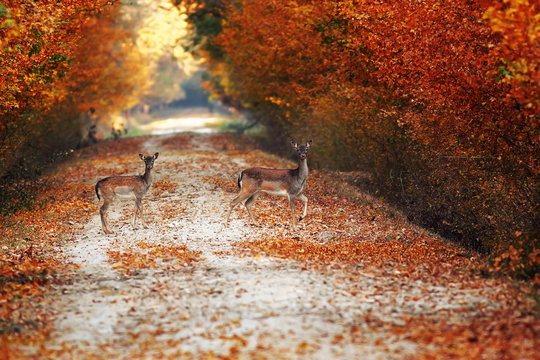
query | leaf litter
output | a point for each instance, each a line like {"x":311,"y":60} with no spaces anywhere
{"x":355,"y":281}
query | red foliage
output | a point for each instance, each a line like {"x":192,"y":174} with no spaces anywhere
{"x":438,"y":100}
{"x":38,"y":40}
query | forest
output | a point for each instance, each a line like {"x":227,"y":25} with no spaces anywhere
{"x":438,"y":102}
{"x":65,"y":65}
{"x":435,"y":103}
{"x":430,"y":106}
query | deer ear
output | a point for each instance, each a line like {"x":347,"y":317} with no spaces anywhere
{"x":308,"y":145}
{"x":294,"y":144}
{"x":141,"y":156}
{"x":156,"y":155}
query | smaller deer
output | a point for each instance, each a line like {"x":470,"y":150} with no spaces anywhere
{"x":114,"y":187}
{"x":283,"y":182}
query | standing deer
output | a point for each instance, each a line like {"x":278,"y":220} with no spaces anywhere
{"x":283,"y":182}
{"x":113,"y":187}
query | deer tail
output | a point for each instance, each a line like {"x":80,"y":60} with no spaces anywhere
{"x":240,"y":175}
{"x":97,"y":189}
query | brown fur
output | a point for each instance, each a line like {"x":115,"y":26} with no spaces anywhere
{"x":283,"y":182}
{"x":136,"y":186}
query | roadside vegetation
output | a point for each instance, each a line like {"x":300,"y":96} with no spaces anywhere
{"x":437,"y":102}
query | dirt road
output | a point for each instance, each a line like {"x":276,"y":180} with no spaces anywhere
{"x":192,"y":286}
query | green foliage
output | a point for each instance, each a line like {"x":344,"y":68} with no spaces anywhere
{"x":35,"y":49}
{"x":207,"y":23}
{"x":504,"y":72}
{"x":333,"y":31}
{"x":37,"y":33}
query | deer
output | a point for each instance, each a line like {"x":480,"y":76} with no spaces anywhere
{"x":281,"y":182}
{"x":114,"y":187}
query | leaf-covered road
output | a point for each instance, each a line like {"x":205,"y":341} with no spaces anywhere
{"x":356,"y":281}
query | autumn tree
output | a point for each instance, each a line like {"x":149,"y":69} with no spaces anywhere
{"x":58,"y":59}
{"x":437,"y":100}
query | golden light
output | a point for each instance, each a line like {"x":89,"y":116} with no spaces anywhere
{"x":160,"y":28}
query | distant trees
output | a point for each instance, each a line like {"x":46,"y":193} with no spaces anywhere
{"x":159,"y":28}
{"x":438,"y":100}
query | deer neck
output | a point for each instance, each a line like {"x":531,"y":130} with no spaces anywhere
{"x":147,"y":177}
{"x":302,"y":169}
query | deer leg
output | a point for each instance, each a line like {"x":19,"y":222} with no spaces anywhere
{"x":103,"y":215}
{"x":135,"y":214}
{"x":291,"y":203}
{"x":305,"y":200}
{"x":249,"y":203}
{"x":237,"y":200}
{"x":144,"y":224}
{"x":138,"y":211}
